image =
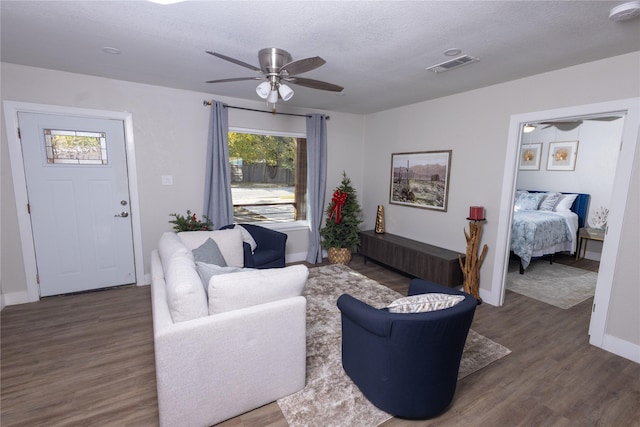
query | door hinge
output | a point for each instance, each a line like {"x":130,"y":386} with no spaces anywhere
{"x":38,"y":279}
{"x":594,"y":308}
{"x":29,"y":208}
{"x":19,"y":136}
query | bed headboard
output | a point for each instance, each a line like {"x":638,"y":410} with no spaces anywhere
{"x":580,"y":206}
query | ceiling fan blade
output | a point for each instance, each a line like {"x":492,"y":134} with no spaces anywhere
{"x":314,"y":84}
{"x":234,"y":79}
{"x":303,"y":65}
{"x":235,"y":61}
{"x":563,"y":125}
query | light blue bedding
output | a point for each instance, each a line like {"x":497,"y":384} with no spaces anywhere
{"x":533,"y":231}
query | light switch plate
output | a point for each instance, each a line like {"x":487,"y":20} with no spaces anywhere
{"x":167,"y":179}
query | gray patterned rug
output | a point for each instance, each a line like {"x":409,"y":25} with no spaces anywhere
{"x":329,"y":397}
{"x":555,"y":284}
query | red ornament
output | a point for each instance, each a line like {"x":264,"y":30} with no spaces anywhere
{"x":338,"y":201}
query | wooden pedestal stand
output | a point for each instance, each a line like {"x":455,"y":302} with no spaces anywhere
{"x":471,"y":265}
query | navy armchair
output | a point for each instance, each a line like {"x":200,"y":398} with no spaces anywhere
{"x":406,"y":363}
{"x":270,"y":249}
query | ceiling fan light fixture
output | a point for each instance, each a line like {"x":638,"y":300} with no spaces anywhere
{"x":286,"y":93}
{"x":625,"y":11}
{"x":273,"y":96}
{"x":263,"y":90}
{"x":528,"y":128}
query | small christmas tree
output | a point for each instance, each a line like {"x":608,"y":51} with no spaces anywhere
{"x":343,"y":218}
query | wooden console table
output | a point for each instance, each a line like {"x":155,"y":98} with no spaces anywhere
{"x":415,"y":258}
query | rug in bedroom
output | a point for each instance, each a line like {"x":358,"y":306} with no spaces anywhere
{"x":556,"y":284}
{"x":330,"y":398}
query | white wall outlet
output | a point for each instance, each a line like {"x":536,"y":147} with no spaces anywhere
{"x":167,"y":179}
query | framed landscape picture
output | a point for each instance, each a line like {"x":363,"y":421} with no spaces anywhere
{"x":421,"y":179}
{"x":530,"y":156}
{"x":562,"y":156}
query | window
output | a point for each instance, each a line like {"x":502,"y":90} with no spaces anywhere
{"x":268,"y":177}
{"x":75,"y":147}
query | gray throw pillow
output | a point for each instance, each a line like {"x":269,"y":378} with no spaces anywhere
{"x":207,"y":271}
{"x":209,"y":253}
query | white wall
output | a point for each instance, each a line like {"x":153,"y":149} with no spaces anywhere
{"x":475,"y":126}
{"x":170,"y":133}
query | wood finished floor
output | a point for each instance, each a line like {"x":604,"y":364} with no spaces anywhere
{"x":88,"y":359}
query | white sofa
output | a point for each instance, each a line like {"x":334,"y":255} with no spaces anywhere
{"x":248,"y":352}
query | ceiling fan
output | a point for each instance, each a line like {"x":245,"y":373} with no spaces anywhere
{"x":277,"y":67}
{"x":568,"y":124}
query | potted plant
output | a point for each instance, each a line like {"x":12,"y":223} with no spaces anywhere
{"x":340,"y":234}
{"x":190,"y":222}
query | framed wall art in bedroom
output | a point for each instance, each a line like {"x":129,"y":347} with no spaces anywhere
{"x":530,"y":156}
{"x":562,"y":156}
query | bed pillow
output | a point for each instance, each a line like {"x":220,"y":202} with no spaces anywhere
{"x":549,"y":202}
{"x":424,"y":302}
{"x":565,"y":202}
{"x":528,"y":201}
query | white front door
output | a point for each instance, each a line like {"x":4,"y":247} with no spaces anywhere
{"x":77,"y":185}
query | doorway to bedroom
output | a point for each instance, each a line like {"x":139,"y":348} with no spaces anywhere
{"x":576,"y":155}
{"x":608,"y":310}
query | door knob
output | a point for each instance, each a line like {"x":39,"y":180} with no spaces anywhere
{"x":122,"y":214}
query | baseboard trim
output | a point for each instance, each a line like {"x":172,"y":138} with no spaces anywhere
{"x":14,"y":298}
{"x":296,"y":257}
{"x":622,"y":348}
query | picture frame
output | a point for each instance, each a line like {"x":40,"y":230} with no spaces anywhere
{"x":530,"y":155}
{"x":562,"y":156}
{"x":421,"y":179}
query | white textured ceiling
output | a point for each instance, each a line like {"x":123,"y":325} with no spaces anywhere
{"x":376,"y":50}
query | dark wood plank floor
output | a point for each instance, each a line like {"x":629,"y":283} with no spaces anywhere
{"x":88,"y":360}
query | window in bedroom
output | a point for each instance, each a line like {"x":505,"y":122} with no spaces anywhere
{"x":268,"y":177}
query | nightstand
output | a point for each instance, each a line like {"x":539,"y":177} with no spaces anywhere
{"x":587,"y":234}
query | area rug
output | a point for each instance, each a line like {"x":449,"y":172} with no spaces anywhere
{"x":330,"y":398}
{"x":555,"y":284}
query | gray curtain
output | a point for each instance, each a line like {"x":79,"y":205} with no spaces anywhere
{"x":316,"y":179}
{"x":218,"y":205}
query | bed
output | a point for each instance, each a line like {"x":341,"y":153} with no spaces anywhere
{"x":545,"y":223}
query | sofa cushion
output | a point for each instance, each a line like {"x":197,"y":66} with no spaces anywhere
{"x":170,"y":245}
{"x":185,"y":295}
{"x":424,"y":302}
{"x":229,"y":242}
{"x":229,"y":292}
{"x":207,"y":271}
{"x":209,"y":253}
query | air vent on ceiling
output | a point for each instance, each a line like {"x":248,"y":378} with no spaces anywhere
{"x":452,"y":63}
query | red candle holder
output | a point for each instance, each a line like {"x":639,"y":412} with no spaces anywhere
{"x":476,"y":213}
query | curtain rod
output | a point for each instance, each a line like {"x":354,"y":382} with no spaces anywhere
{"x":208,"y":104}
